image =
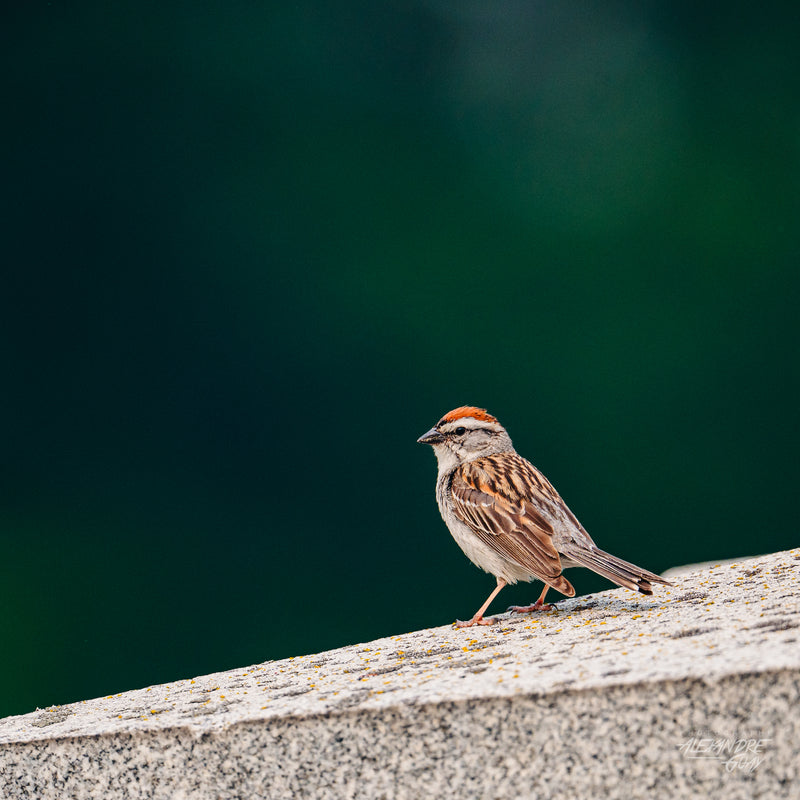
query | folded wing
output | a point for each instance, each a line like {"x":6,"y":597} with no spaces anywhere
{"x":489,"y":495}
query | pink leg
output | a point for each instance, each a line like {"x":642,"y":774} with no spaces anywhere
{"x":478,"y":618}
{"x":539,"y":605}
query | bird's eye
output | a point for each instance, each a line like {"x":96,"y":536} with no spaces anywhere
{"x":460,"y":431}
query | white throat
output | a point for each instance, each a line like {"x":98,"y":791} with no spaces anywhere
{"x":446,"y":458}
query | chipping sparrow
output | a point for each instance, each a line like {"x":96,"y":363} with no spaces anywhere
{"x":507,"y":517}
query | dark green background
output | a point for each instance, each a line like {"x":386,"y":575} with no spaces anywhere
{"x":252,"y":251}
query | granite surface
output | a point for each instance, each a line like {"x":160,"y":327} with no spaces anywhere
{"x":694,"y":692}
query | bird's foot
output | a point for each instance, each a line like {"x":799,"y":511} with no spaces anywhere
{"x":537,"y":606}
{"x":476,"y":620}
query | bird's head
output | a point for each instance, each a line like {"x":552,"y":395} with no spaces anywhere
{"x":465,"y":434}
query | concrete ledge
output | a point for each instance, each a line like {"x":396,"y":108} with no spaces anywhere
{"x":693,"y":692}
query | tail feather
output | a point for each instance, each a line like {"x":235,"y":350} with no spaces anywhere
{"x":623,"y":573}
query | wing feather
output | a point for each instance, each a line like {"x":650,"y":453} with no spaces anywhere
{"x":509,"y":505}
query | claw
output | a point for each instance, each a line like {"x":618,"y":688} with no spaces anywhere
{"x":476,"y":620}
{"x":537,"y":606}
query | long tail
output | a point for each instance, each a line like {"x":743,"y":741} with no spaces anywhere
{"x":623,"y":573}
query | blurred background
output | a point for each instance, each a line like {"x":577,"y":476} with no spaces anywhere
{"x":252,"y":251}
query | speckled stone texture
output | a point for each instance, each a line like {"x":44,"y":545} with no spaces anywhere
{"x":694,"y":692}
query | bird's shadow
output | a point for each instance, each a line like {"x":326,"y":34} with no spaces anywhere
{"x":599,"y":605}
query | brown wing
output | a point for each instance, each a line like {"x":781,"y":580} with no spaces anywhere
{"x":507,"y":502}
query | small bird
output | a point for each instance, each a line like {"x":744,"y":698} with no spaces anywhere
{"x":507,"y":517}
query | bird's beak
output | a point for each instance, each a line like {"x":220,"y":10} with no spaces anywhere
{"x":431,"y":437}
